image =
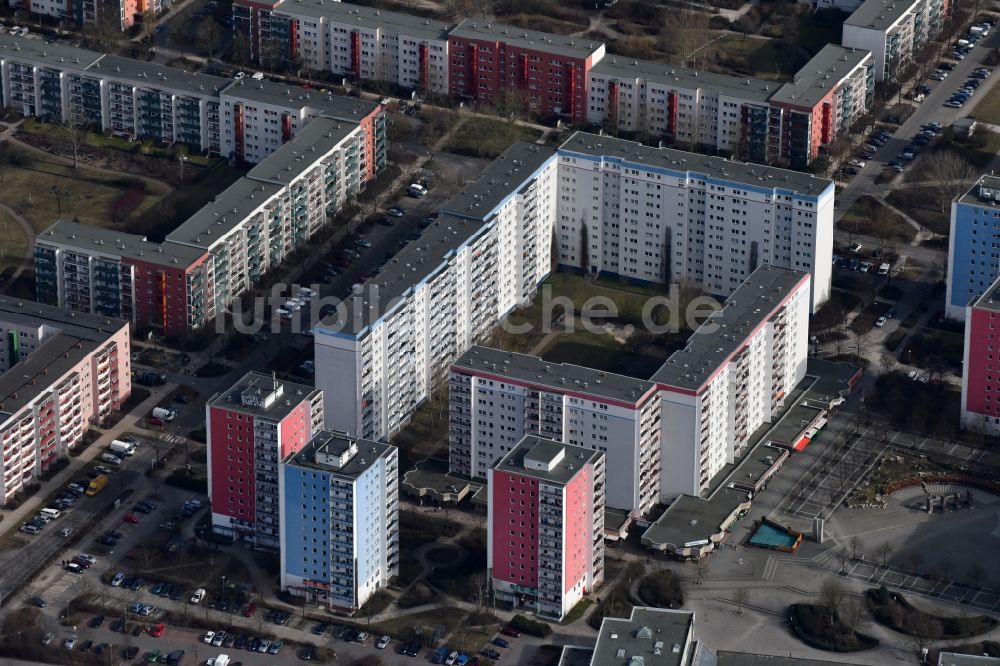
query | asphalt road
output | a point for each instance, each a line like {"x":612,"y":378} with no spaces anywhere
{"x":932,"y":109}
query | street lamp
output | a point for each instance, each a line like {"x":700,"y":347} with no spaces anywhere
{"x":182,"y":158}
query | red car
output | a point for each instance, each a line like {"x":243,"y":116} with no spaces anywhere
{"x":250,"y":610}
{"x":156,"y":630}
{"x":155,"y":421}
{"x":510,"y":631}
{"x":130,"y":518}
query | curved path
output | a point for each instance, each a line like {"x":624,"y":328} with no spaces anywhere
{"x":27,"y":261}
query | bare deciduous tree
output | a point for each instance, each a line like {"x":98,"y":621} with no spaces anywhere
{"x":741,"y":596}
{"x":852,"y":614}
{"x":949,"y":174}
{"x":831,"y":596}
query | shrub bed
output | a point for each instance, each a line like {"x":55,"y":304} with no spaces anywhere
{"x":531,"y":627}
{"x":814,"y":627}
{"x":895,"y":612}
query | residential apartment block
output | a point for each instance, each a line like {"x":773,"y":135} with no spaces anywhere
{"x":549,"y":72}
{"x":893,"y":30}
{"x":735,"y":372}
{"x":665,"y":216}
{"x":482,"y":257}
{"x":497,"y":398}
{"x":363,"y":43}
{"x":62,"y":372}
{"x":826,"y":97}
{"x":339,"y":520}
{"x":645,"y":214}
{"x":222,"y":250}
{"x":251,"y":428}
{"x":90,"y":12}
{"x":973,"y":257}
{"x":981,"y":364}
{"x":545,"y":523}
{"x":244,"y":120}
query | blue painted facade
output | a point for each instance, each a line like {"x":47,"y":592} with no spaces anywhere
{"x":973,"y":253}
{"x":339,"y":536}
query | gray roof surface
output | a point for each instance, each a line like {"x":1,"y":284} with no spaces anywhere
{"x":640,"y":635}
{"x":24,"y":381}
{"x":879,"y":14}
{"x":972,"y":197}
{"x":747,"y":659}
{"x":227,"y":211}
{"x":735,"y":86}
{"x":317,"y":138}
{"x":58,"y":54}
{"x":336,"y":443}
{"x":675,"y":526}
{"x":498,"y":180}
{"x":341,"y":107}
{"x":754,"y":175}
{"x":82,"y":325}
{"x":725,"y":331}
{"x":108,"y":241}
{"x":152,"y":75}
{"x":822,"y":73}
{"x":573,"y":47}
{"x":566,"y":469}
{"x":367,"y":17}
{"x":990,"y":299}
{"x":294,"y":393}
{"x":955,"y":659}
{"x":558,"y":377}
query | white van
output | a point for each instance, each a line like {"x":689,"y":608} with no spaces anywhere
{"x":51,"y":513}
{"x":164,"y":413}
{"x":111,"y":459}
{"x":417,"y":190}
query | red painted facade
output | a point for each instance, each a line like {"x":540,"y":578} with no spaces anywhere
{"x":552,"y":84}
{"x":515,"y":528}
{"x":822,"y":126}
{"x":356,"y":53}
{"x":982,"y":367}
{"x":232,"y":447}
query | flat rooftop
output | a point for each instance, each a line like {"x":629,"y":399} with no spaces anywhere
{"x":58,"y":54}
{"x":650,"y":636}
{"x":690,"y":519}
{"x":955,"y":659}
{"x":879,"y":14}
{"x":488,"y":31}
{"x":683,"y":163}
{"x":81,"y":325}
{"x":747,"y":659}
{"x":317,"y":138}
{"x":990,"y":299}
{"x":227,"y":211}
{"x":725,"y":331}
{"x":339,"y":445}
{"x":149,"y":74}
{"x":293,"y":393}
{"x":90,"y":239}
{"x":498,"y":180}
{"x":367,"y":17}
{"x":341,"y":107}
{"x":985,"y":192}
{"x":557,"y":377}
{"x":753,"y":90}
{"x":26,"y":380}
{"x":539,"y":448}
{"x":820,"y":75}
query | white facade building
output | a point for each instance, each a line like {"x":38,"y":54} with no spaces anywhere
{"x":483,"y":257}
{"x":367,"y":43}
{"x":893,"y":30}
{"x":667,"y":216}
{"x":496,"y":398}
{"x":688,"y":106}
{"x":735,"y":372}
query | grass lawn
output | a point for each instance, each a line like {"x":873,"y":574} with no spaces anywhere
{"x":485,"y":137}
{"x":601,"y":352}
{"x":766,"y":56}
{"x":988,"y":108}
{"x":984,"y":147}
{"x":577,"y":611}
{"x":27,"y":187}
{"x":184,"y":202}
{"x":863,"y":218}
{"x":14,"y":245}
{"x":920,"y":203}
{"x":419,"y":624}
